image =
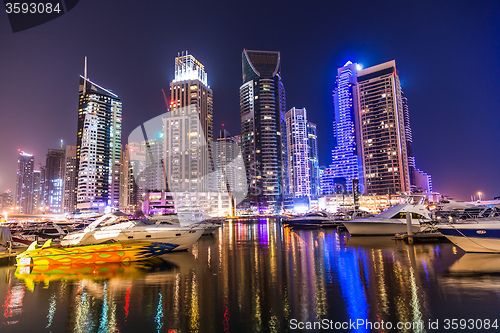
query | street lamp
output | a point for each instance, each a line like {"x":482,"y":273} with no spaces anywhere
{"x":479,"y":195}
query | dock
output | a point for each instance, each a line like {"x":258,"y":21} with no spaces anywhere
{"x":7,"y":257}
{"x":421,"y":237}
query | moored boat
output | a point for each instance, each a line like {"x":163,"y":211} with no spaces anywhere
{"x":477,"y":234}
{"x":391,"y":221}
{"x":91,"y":254}
{"x":312,"y":219}
{"x":120,"y":227}
{"x":474,"y":236}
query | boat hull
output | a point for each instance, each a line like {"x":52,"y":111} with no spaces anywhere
{"x":183,"y":238}
{"x":474,"y":238}
{"x":93,"y":254}
{"x":374,"y":228}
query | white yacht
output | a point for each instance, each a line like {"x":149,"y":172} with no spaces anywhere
{"x":119,"y":227}
{"x":481,"y":234}
{"x":391,"y":221}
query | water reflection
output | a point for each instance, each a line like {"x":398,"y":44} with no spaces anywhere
{"x":253,"y":276}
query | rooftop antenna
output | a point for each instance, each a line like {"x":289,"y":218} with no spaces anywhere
{"x":85,"y":76}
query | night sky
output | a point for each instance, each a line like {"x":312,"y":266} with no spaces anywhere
{"x":447,"y":54}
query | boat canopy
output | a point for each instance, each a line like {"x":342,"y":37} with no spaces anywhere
{"x":399,"y":212}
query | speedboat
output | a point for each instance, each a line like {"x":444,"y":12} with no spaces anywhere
{"x":47,"y":254}
{"x":312,"y":219}
{"x":120,"y":227}
{"x":391,"y":221}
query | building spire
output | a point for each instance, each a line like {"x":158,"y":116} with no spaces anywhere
{"x":85,"y":76}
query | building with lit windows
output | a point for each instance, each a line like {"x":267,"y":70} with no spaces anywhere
{"x":422,"y":182}
{"x":6,"y":201}
{"x":298,"y":153}
{"x":346,"y":157}
{"x":372,"y":128}
{"x":130,"y":190}
{"x":70,"y":179}
{"x":312,"y":139}
{"x":409,"y":141}
{"x":230,"y":176}
{"x":263,"y":130}
{"x":24,"y":184}
{"x":382,"y":130}
{"x":98,"y":147}
{"x":188,"y":128}
{"x":54,"y":180}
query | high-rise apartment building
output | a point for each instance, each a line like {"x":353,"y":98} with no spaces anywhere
{"x":229,"y":174}
{"x":409,"y":141}
{"x":24,"y":183}
{"x":54,"y":180}
{"x":298,"y":153}
{"x":70,"y":179}
{"x":130,"y":191}
{"x":346,"y":157}
{"x":372,"y":128}
{"x":312,"y":139}
{"x":382,"y":130}
{"x":38,"y":192}
{"x":188,"y":128}
{"x":263,"y":129}
{"x":98,"y":147}
{"x":6,"y":201}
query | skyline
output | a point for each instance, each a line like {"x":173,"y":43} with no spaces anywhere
{"x":451,"y":148}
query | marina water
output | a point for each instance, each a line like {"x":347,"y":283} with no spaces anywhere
{"x":257,"y":276}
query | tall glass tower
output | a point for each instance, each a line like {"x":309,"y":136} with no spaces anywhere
{"x":98,"y":147}
{"x":189,"y":162}
{"x":54,"y":180}
{"x":298,"y":153}
{"x":24,"y":183}
{"x":263,"y":129}
{"x":312,"y":139}
{"x":70,"y":179}
{"x":346,"y":157}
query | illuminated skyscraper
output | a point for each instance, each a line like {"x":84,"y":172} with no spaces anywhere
{"x":227,"y":149}
{"x":382,"y":130}
{"x":346,"y":157}
{"x":409,"y":141}
{"x":24,"y":183}
{"x":298,"y":153}
{"x":6,"y":201}
{"x":312,"y":139}
{"x":98,"y":147}
{"x":70,"y":179}
{"x":263,"y":128}
{"x":38,"y":202}
{"x":54,"y":180}
{"x":130,"y":190}
{"x":188,"y":162}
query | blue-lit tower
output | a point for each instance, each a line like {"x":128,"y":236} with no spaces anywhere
{"x":346,"y":157}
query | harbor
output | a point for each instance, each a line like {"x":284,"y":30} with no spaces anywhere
{"x":257,"y":275}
